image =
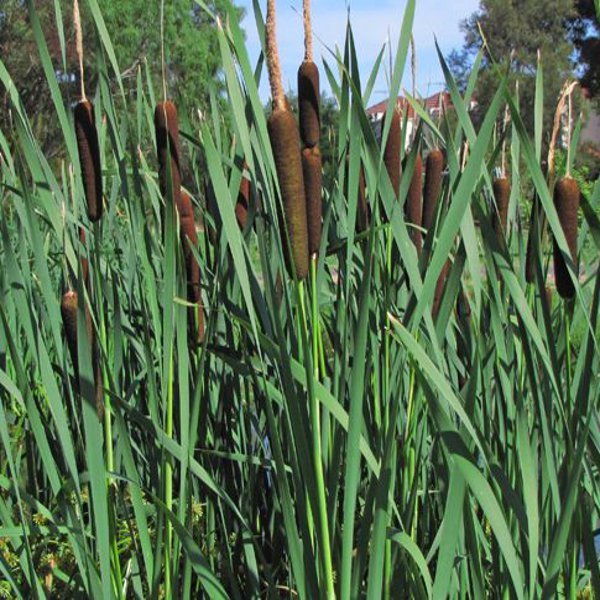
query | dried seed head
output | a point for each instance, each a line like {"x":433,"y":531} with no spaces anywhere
{"x":566,"y":202}
{"x":501,"y":187}
{"x":89,"y":157}
{"x":414,"y":204}
{"x":391,"y":153}
{"x":434,"y":168}
{"x":285,"y":142}
{"x":308,"y":103}
{"x":167,"y":147}
{"x":311,"y":170}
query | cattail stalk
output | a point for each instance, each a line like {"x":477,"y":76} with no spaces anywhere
{"x":566,"y":202}
{"x":285,"y":141}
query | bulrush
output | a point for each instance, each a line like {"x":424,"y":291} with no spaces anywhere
{"x":414,"y":204}
{"x":391,"y":153}
{"x":501,"y":187}
{"x":285,"y":141}
{"x":308,"y":103}
{"x":566,"y":202}
{"x":167,"y":147}
{"x":434,"y":168}
{"x":311,"y":169}
{"x":243,"y":201}
{"x":439,"y":289}
{"x":189,"y":237}
{"x":89,"y":157}
{"x":68,"y":311}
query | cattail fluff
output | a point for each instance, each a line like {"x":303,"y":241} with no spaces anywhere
{"x":308,"y":103}
{"x":89,"y":157}
{"x":68,"y":311}
{"x":501,"y":187}
{"x":434,"y":168}
{"x":311,"y":170}
{"x":391,"y":153}
{"x":167,"y":146}
{"x":566,"y":202}
{"x":414,"y":204}
{"x":189,"y":238}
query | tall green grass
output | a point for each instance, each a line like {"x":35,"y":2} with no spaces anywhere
{"x":459,"y":452}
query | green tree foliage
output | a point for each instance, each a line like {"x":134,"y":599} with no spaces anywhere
{"x":514,"y":31}
{"x":191,"y":53}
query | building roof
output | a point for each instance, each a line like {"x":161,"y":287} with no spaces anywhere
{"x":432,"y":105}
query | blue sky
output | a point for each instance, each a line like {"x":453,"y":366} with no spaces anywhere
{"x":372,"y":22}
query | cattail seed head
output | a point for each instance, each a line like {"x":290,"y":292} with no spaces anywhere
{"x":243,"y":201}
{"x":308,"y":103}
{"x":89,"y":157}
{"x":285,"y":142}
{"x":439,"y":289}
{"x":434,"y":168}
{"x":189,"y":237}
{"x":68,"y":311}
{"x":566,"y":202}
{"x":501,"y":187}
{"x":414,"y":204}
{"x":391,"y":153}
{"x":311,"y":170}
{"x":167,"y":147}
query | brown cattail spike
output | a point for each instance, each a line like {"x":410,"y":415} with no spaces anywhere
{"x":243,"y":201}
{"x":311,"y":169}
{"x":308,"y":103}
{"x":439,"y":289}
{"x":501,"y":187}
{"x":189,"y":237}
{"x":414,"y":205}
{"x":434,"y":168}
{"x":391,"y":153}
{"x":285,"y":141}
{"x":68,"y":311}
{"x":89,"y":157}
{"x":566,"y":202}
{"x":167,"y":146}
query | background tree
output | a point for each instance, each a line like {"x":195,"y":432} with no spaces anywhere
{"x":514,"y":32}
{"x":191,"y":51}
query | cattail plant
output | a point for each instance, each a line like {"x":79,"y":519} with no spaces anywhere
{"x":434,"y":169}
{"x":311,"y":169}
{"x":362,"y":208}
{"x":414,"y":203}
{"x":68,"y":311}
{"x":189,"y":237}
{"x":167,"y":146}
{"x":566,"y":202}
{"x":501,"y":187}
{"x":85,"y":266}
{"x":86,"y":134}
{"x":285,"y":141}
{"x":439,"y":289}
{"x":391,"y":152}
{"x":308,"y":88}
